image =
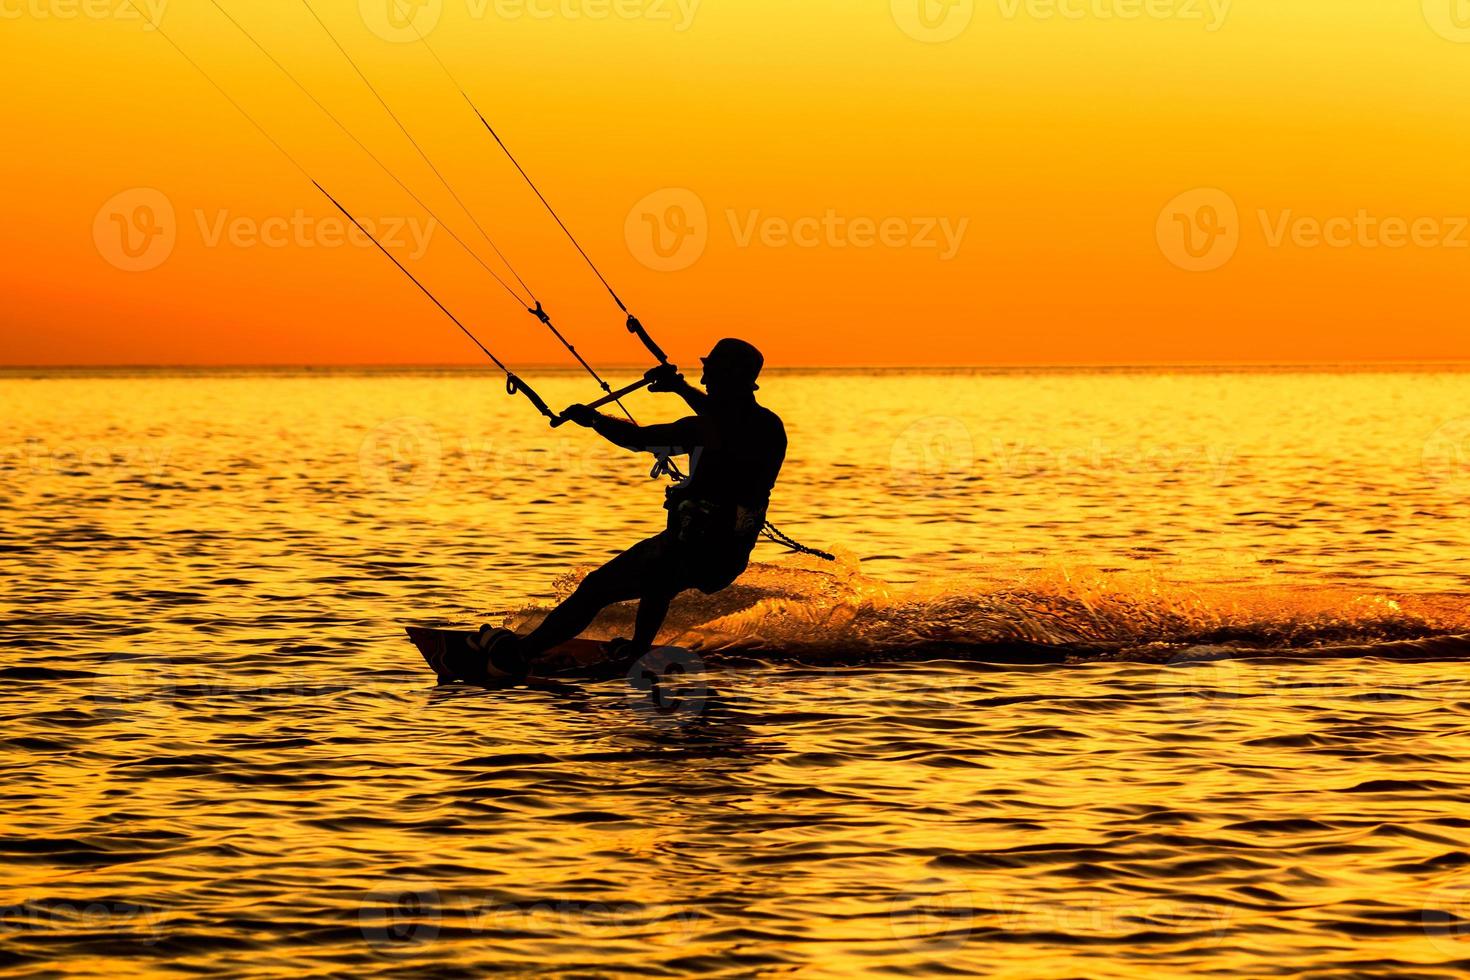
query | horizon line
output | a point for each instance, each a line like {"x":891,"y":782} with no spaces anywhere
{"x":770,"y":369}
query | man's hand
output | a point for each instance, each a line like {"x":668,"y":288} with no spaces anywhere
{"x":665,"y":377}
{"x":582,"y":415}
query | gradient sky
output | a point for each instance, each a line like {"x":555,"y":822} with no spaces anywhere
{"x":841,"y":181}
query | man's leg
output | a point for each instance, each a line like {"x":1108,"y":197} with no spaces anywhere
{"x":625,"y":577}
{"x":653,"y":609}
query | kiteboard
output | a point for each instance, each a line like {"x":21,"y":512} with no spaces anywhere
{"x":579,"y":658}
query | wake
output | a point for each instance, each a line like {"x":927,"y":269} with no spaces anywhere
{"x":819,"y":612}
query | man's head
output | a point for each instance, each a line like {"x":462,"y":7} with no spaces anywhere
{"x":732,"y":366}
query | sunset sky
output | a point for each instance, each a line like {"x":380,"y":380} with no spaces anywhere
{"x":840,"y":181}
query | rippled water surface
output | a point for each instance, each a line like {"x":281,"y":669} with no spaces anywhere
{"x":219,"y":753}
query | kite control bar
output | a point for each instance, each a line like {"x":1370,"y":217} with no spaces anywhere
{"x":608,"y":399}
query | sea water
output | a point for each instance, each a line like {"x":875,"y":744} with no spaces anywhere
{"x":219,"y":753}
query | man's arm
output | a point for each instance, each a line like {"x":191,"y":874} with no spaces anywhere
{"x":666,"y":377}
{"x":671,"y":438}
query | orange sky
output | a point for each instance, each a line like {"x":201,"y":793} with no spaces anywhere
{"x":852,"y":184}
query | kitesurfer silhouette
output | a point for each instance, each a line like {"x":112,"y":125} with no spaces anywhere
{"x":735,"y":448}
